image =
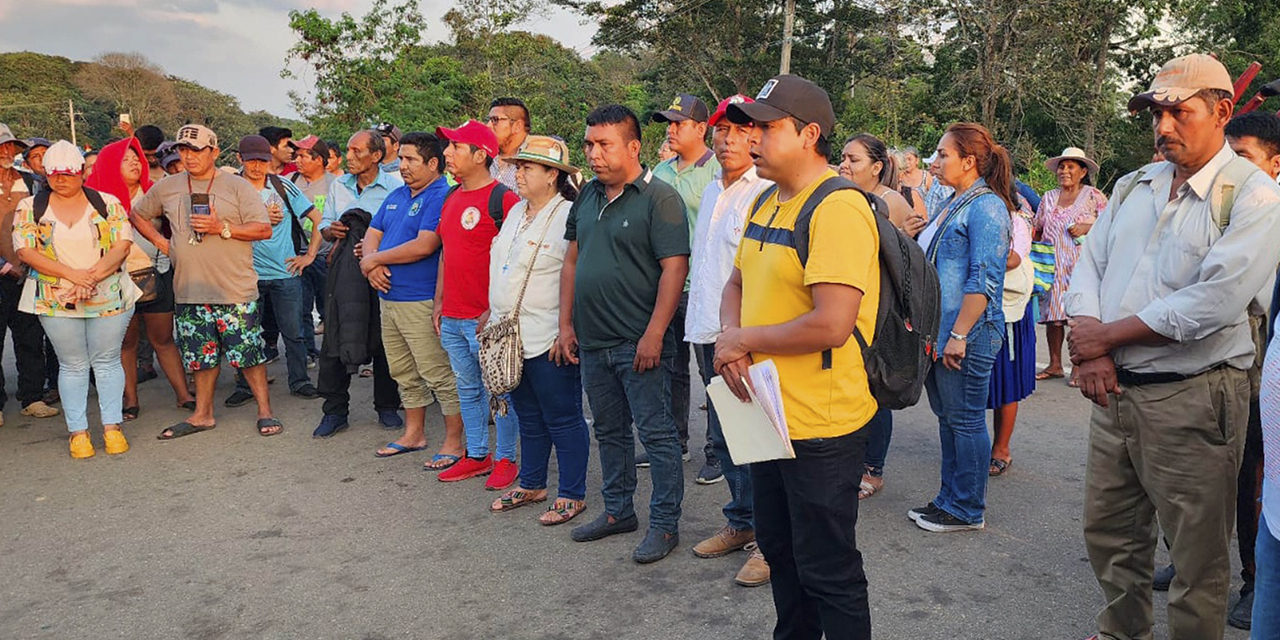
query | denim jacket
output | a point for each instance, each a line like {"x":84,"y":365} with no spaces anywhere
{"x":972,"y":251}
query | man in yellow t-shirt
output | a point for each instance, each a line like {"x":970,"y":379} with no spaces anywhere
{"x":801,"y":315}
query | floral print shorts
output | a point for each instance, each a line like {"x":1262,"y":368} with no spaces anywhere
{"x":206,"y":332}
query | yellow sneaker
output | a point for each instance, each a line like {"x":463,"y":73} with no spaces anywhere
{"x":81,"y":446}
{"x":115,"y":442}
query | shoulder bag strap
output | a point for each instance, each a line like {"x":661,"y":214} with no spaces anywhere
{"x":948,"y":215}
{"x":534,"y":260}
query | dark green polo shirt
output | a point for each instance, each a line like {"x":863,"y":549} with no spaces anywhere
{"x":619,"y":246}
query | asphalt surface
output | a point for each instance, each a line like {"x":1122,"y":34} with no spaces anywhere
{"x":228,"y":534}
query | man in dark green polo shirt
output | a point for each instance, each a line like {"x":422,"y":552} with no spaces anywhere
{"x":621,"y":282}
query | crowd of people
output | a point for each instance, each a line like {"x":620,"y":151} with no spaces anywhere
{"x":476,"y":269}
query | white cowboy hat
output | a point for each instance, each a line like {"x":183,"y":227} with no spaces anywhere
{"x":1071,"y":153}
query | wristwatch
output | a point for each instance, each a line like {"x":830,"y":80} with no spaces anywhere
{"x":226,"y":231}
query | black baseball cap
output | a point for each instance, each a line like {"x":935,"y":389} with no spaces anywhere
{"x":254,"y":148}
{"x":683,"y":107}
{"x":783,"y":96}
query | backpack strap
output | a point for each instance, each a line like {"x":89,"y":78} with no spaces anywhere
{"x":1222,"y":196}
{"x":39,"y":204}
{"x":295,"y":226}
{"x":496,"y":196}
{"x":96,"y":200}
{"x":762,"y":198}
{"x":801,"y":227}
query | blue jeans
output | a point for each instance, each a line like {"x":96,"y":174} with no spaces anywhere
{"x":959,"y":399}
{"x":284,"y":299}
{"x":458,"y":337}
{"x":549,"y":403}
{"x":739,"y":511}
{"x":879,"y":432}
{"x":620,"y":396}
{"x":313,"y":297}
{"x":1266,"y":594}
{"x":81,"y":344}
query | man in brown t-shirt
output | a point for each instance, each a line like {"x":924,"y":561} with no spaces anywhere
{"x":215,"y":217}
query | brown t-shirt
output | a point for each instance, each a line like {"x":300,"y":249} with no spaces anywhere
{"x":213,"y":271}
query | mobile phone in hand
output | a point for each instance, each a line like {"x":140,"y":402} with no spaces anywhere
{"x":199,"y":207}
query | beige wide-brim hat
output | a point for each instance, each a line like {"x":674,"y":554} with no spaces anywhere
{"x":547,"y":151}
{"x":1071,"y":153}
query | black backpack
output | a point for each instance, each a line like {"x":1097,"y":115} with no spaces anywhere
{"x":40,"y":203}
{"x":495,"y":201}
{"x":910,"y":309}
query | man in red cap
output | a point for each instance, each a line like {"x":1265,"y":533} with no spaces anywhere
{"x":469,"y":222}
{"x":722,"y":217}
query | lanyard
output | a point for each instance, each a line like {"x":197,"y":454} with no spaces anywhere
{"x":206,"y":190}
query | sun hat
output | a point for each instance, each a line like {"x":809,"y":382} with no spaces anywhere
{"x":1071,"y":153}
{"x":7,"y":136}
{"x":546,"y":151}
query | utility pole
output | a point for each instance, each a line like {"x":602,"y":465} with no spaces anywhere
{"x":71,"y":113}
{"x":787,"y":25}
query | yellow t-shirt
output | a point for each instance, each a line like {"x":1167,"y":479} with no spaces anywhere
{"x":843,"y":249}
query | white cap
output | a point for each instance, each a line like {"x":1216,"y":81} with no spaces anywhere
{"x":63,"y":157}
{"x":931,"y":159}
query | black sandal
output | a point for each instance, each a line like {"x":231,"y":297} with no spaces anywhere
{"x":181,"y":429}
{"x":269,"y":427}
{"x":189,"y":405}
{"x":998,"y":467}
{"x":130,"y":413}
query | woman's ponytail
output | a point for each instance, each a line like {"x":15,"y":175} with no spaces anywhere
{"x":994,"y":163}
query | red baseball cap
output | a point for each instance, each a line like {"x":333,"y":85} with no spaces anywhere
{"x":724,"y":105}
{"x":474,"y":133}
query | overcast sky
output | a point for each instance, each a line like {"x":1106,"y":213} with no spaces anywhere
{"x":234,"y":46}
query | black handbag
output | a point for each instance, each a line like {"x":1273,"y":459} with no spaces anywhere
{"x":148,"y":282}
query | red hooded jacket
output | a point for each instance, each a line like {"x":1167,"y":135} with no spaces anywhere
{"x":106,"y":172}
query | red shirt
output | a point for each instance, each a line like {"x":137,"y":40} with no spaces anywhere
{"x":466,"y":232}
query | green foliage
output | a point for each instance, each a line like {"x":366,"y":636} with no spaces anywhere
{"x":34,"y":90}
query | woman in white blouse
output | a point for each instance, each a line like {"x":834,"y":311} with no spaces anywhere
{"x":548,"y":401}
{"x":75,"y":240}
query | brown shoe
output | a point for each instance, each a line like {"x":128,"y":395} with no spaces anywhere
{"x":39,"y":409}
{"x":725,"y":541}
{"x":755,"y":572}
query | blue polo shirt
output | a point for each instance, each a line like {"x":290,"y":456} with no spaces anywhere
{"x":269,"y":255}
{"x":400,"y":219}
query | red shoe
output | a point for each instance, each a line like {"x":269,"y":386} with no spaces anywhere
{"x":467,"y":468}
{"x":504,"y":473}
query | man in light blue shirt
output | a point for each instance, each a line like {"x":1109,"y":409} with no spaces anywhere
{"x":279,"y":265}
{"x":365,"y":186}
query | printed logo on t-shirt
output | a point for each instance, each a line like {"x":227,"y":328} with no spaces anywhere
{"x":413,"y":210}
{"x":470,"y":218}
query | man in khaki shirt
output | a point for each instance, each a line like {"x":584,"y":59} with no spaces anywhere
{"x":1161,"y":342}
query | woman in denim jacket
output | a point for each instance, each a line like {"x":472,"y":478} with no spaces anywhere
{"x":969,"y":244}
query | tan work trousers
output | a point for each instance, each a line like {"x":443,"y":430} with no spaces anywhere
{"x":1170,"y":451}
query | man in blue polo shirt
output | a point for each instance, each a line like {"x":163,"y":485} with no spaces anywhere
{"x":401,"y":259}
{"x":364,"y":186}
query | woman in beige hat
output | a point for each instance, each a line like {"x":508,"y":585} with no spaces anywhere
{"x":531,"y":246}
{"x":1065,"y":216}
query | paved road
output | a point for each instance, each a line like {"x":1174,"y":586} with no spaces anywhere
{"x":231,"y":535}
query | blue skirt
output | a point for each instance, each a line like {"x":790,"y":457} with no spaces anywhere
{"x":1013,"y":377}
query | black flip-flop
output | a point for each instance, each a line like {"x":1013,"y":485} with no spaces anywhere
{"x":130,"y":413}
{"x":267,"y":423}
{"x":189,"y":405}
{"x":182,"y":429}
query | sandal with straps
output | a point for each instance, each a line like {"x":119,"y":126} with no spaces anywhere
{"x":516,"y":498}
{"x":562,"y":511}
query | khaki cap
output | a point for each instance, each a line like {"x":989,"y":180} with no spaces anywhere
{"x":546,"y":151}
{"x":1181,"y":78}
{"x":196,"y":137}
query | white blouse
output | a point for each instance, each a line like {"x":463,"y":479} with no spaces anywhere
{"x":513,"y":249}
